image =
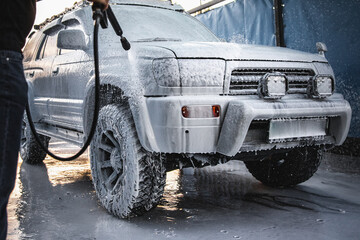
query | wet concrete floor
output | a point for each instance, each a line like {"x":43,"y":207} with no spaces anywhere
{"x":56,"y":200}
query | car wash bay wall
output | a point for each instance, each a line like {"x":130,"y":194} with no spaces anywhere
{"x":334,"y":22}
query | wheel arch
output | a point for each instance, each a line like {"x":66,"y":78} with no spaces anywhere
{"x":111,"y":92}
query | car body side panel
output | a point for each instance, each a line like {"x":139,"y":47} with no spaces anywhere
{"x":70,"y":73}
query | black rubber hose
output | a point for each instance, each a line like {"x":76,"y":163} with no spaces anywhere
{"x":96,"y":105}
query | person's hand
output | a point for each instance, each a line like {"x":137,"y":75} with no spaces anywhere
{"x":104,"y":3}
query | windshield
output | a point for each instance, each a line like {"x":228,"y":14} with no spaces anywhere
{"x":146,"y":24}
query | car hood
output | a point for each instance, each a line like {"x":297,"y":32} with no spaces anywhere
{"x":233,"y":51}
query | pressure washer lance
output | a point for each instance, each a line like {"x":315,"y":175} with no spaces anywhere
{"x":100,"y":16}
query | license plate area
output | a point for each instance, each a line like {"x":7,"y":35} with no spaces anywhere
{"x":293,"y":129}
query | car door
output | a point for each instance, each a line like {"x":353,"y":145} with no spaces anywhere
{"x":71,"y":70}
{"x":38,"y":72}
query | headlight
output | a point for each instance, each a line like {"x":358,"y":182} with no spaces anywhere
{"x":321,"y":86}
{"x":273,"y":86}
{"x":202,"y":72}
{"x":171,"y":72}
{"x":166,"y":72}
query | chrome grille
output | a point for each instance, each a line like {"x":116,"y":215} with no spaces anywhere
{"x":246,"y":81}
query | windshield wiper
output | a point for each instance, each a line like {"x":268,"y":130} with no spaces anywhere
{"x":159,"y":39}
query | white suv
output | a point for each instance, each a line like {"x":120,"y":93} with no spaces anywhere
{"x":180,"y":97}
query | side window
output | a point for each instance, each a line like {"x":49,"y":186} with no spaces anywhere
{"x":40,"y":52}
{"x":48,"y":46}
{"x":30,"y":47}
{"x":51,"y":49}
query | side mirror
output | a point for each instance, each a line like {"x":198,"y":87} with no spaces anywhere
{"x":72,"y":39}
{"x":321,"y":48}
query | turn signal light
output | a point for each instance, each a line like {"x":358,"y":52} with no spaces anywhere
{"x":216,"y":111}
{"x":185,"y":111}
{"x":201,"y":111}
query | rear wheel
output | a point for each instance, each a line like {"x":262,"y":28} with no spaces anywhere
{"x":128,"y":180}
{"x":30,"y":151}
{"x":286,"y":169}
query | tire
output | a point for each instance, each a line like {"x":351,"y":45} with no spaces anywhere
{"x":286,"y":169}
{"x":128,"y":180}
{"x":30,"y":151}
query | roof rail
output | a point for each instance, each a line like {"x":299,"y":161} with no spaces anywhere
{"x":83,"y":3}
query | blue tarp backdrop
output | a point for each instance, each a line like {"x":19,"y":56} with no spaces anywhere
{"x":335,"y":22}
{"x":243,"y":21}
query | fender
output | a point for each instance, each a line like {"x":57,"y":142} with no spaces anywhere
{"x":118,"y":89}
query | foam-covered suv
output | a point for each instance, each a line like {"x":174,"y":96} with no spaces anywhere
{"x":180,"y":97}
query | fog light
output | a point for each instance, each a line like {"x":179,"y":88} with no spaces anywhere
{"x":321,"y":86}
{"x":201,"y":111}
{"x":273,"y":86}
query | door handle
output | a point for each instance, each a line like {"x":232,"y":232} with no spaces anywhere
{"x":31,"y":74}
{"x":55,"y":71}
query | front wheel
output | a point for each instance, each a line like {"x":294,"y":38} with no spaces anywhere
{"x":128,"y":180}
{"x":286,"y":169}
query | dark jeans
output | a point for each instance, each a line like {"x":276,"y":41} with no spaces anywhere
{"x":13,"y":97}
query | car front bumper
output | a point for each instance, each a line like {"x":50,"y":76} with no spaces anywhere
{"x":162,"y":128}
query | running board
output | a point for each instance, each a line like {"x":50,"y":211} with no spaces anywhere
{"x":68,"y":135}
